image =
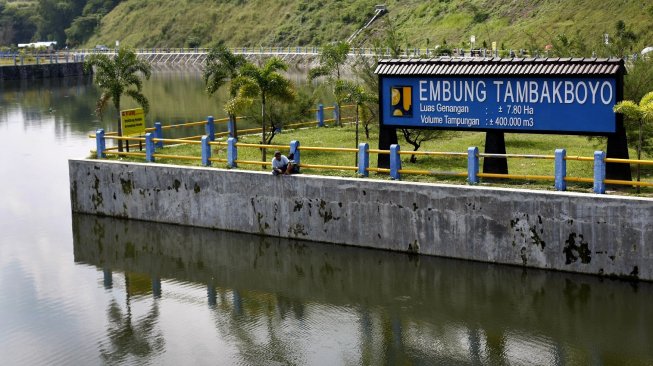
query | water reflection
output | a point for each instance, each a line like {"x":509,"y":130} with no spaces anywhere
{"x":68,"y":102}
{"x":176,"y":95}
{"x":291,"y":302}
{"x":128,"y":338}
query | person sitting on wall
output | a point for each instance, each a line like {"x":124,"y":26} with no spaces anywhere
{"x":281,"y":164}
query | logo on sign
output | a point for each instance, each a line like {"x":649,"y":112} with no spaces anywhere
{"x":402,"y":101}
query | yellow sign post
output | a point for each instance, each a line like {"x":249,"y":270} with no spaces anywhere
{"x":133,"y":122}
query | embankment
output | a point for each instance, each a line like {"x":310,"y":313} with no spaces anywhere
{"x":573,"y":232}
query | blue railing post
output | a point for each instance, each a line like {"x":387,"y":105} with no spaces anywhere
{"x":560,"y":169}
{"x":158,"y":133}
{"x":232,"y":152}
{"x":395,"y":162}
{"x":231,"y":126}
{"x":149,"y":147}
{"x":210,"y":128}
{"x":363,"y":159}
{"x":472,"y":165}
{"x":320,"y":115}
{"x":599,"y":172}
{"x":206,"y":151}
{"x":294,"y":150}
{"x":336,"y":113}
{"x":100,"y":143}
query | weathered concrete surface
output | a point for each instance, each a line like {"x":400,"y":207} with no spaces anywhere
{"x":563,"y":231}
{"x":43,"y":71}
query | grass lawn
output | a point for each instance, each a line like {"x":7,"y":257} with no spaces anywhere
{"x":450,"y":142}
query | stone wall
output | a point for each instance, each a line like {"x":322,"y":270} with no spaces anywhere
{"x":583,"y":233}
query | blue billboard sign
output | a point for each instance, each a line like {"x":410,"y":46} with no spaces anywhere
{"x":559,"y":105}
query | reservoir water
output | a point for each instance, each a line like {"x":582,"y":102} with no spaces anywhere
{"x":85,"y":290}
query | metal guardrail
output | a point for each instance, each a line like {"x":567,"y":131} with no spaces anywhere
{"x":560,"y":178}
{"x":154,"y":140}
{"x":281,"y":51}
{"x":18,"y":59}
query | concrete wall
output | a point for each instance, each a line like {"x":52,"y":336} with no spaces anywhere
{"x":43,"y":71}
{"x":556,"y":230}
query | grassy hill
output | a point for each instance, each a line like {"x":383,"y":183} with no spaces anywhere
{"x":513,"y":23}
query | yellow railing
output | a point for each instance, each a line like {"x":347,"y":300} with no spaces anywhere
{"x":330,"y":108}
{"x":394,"y":172}
{"x":626,"y":182}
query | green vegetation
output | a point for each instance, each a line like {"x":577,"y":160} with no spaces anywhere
{"x":515,"y":24}
{"x":222,"y":66}
{"x":302,"y":22}
{"x":642,"y":114}
{"x":17,"y":22}
{"x":333,"y":58}
{"x":119,"y":76}
{"x":69,"y":22}
{"x":348,"y":91}
{"x":263,"y":83}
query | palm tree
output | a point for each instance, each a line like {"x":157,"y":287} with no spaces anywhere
{"x":117,"y":76}
{"x":348,"y":91}
{"x":222,"y":66}
{"x":641,"y":113}
{"x":128,"y":337}
{"x":261,"y":82}
{"x":332,"y":58}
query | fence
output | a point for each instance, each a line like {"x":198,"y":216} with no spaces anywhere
{"x":472,"y":175}
{"x":17,"y":59}
{"x":231,"y":131}
{"x":311,"y":51}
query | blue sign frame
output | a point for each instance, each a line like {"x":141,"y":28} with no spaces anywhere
{"x":565,"y":105}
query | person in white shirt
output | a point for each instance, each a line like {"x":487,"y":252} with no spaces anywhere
{"x":281,"y":164}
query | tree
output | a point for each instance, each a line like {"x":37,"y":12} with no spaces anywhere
{"x":624,"y":38}
{"x":261,"y":82}
{"x":350,"y":92}
{"x":119,"y":76}
{"x":81,"y":28}
{"x":416,"y":137}
{"x":641,"y":113}
{"x":533,"y":45}
{"x":575,"y":46}
{"x":55,"y":16}
{"x":637,"y":82}
{"x":332,"y":58}
{"x":128,"y":336}
{"x":364,"y":67}
{"x":220,"y":67}
{"x":17,"y":24}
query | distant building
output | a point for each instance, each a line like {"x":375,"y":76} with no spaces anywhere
{"x":49,"y":45}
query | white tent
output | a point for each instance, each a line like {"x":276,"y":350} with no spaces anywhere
{"x":49,"y":44}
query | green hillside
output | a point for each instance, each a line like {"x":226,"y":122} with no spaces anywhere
{"x":513,"y":23}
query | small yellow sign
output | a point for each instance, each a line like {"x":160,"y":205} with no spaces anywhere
{"x":494,"y":46}
{"x":133,"y":122}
